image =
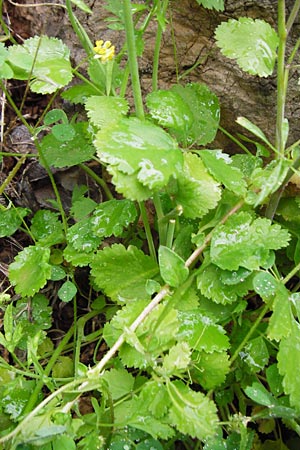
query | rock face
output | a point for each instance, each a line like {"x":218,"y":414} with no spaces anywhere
{"x":188,"y":39}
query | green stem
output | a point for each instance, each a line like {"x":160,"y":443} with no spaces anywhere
{"x":170,"y":233}
{"x":79,"y":30}
{"x":276,"y":196}
{"x":159,"y":33}
{"x":98,"y":180}
{"x":12,"y":173}
{"x":293,"y":16}
{"x":41,"y":155}
{"x":235,"y":140}
{"x":132,"y":58}
{"x":34,"y":396}
{"x":162,"y":225}
{"x":147,"y":230}
{"x":281,"y":79}
{"x":263,"y":312}
{"x":291,"y":274}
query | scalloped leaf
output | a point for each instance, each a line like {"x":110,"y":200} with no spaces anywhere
{"x":252,"y":43}
{"x":123,"y":273}
{"x":47,"y":228}
{"x":69,"y":153}
{"x":172,"y":267}
{"x":281,"y":321}
{"x":210,"y":369}
{"x":265,"y":181}
{"x":192,"y":412}
{"x":46,"y":60}
{"x":111,"y":217}
{"x":245,"y":242}
{"x":82,"y":237}
{"x":11,"y":219}
{"x":212,"y":286}
{"x":220,"y":166}
{"x":5,"y":69}
{"x":212,"y":4}
{"x":201,"y":333}
{"x":103,"y":110}
{"x":289,"y":362}
{"x":196,"y":190}
{"x":30,"y":270}
{"x":140,"y":150}
{"x":205,"y":109}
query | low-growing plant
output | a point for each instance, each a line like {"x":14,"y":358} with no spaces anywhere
{"x":191,"y":261}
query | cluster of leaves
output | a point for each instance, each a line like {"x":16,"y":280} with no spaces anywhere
{"x":190,"y":337}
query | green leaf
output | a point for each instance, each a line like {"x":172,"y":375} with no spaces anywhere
{"x":82,"y":5}
{"x":11,"y":219}
{"x":122,"y":273}
{"x":77,"y":258}
{"x":68,"y":153}
{"x":16,"y":396}
{"x":172,"y":267}
{"x":63,"y":132}
{"x":205,"y":109}
{"x":40,"y":318}
{"x":104,"y":111}
{"x":170,"y":110}
{"x":63,"y":367}
{"x":289,"y":362}
{"x":5,"y":69}
{"x":191,"y":412}
{"x":221,"y":168}
{"x":120,"y":382}
{"x":111,"y":217}
{"x":45,"y":60}
{"x":178,"y":359}
{"x":30,"y":270}
{"x":265,"y":181}
{"x":210,"y":369}
{"x":56,"y":115}
{"x":281,"y":321}
{"x":255,"y":354}
{"x":201,"y":333}
{"x":143,"y":152}
{"x":252,"y":43}
{"x":79,"y":93}
{"x":154,"y":336}
{"x":47,"y":228}
{"x":254,"y":129}
{"x":195,"y":191}
{"x":259,"y":394}
{"x":212,"y":4}
{"x":245,"y":242}
{"x":265,"y":284}
{"x":82,"y":237}
{"x":210,"y":282}
{"x":67,"y":291}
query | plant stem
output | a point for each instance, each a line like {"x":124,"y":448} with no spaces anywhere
{"x":79,"y":30}
{"x":194,"y":256}
{"x":281,"y":79}
{"x":162,"y":225}
{"x":162,"y":12}
{"x":147,"y":230}
{"x":276,"y":196}
{"x":264,"y":310}
{"x":132,"y":58}
{"x":34,"y":396}
{"x":98,"y":180}
{"x":293,"y":16}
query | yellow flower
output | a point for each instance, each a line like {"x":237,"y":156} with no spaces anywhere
{"x":104,"y":50}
